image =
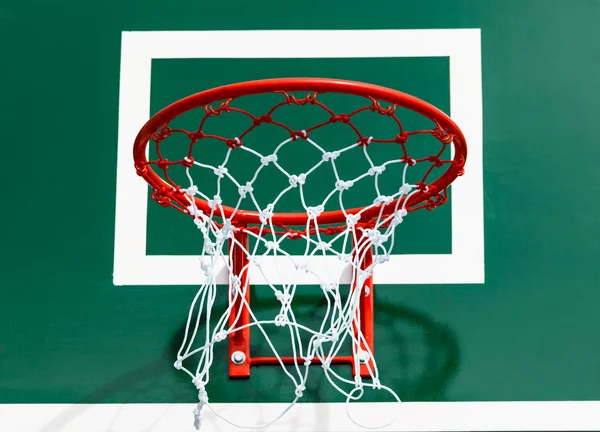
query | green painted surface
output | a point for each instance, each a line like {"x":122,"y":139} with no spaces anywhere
{"x":174,"y":79}
{"x":529,"y":333}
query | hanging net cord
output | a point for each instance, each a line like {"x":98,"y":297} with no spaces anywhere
{"x":350,"y":243}
{"x":342,"y":318}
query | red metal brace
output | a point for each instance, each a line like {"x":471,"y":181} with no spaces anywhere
{"x":365,"y":311}
{"x":239,"y":341}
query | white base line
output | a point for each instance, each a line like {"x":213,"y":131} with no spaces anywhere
{"x":327,"y":417}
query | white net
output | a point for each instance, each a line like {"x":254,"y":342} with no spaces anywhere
{"x":248,"y":237}
{"x":352,"y":244}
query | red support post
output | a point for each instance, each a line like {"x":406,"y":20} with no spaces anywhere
{"x":366,"y":312}
{"x":239,"y":341}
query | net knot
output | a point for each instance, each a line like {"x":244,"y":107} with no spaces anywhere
{"x":401,"y":138}
{"x":398,"y":217}
{"x":281,"y":320}
{"x":352,"y":220}
{"x":364,"y":141}
{"x":265,"y":160}
{"x":202,"y":396}
{"x":342,"y":118}
{"x":187,"y":162}
{"x":291,"y":99}
{"x":158,"y":136}
{"x":314,"y":212}
{"x":324,"y":246}
{"x":266,"y":214}
{"x":213,"y":203}
{"x":422,"y":187}
{"x":308,"y":360}
{"x":197,"y":381}
{"x":388,"y":111}
{"x":163,"y":196}
{"x":162,"y":164}
{"x":226,"y":231}
{"x":262,"y":119}
{"x":223,"y":106}
{"x":194,"y":211}
{"x":405,"y":189}
{"x":375,"y":237}
{"x":233,"y":143}
{"x":376,"y":170}
{"x":200,"y":224}
{"x":247,"y":188}
{"x":318,"y":341}
{"x":376,"y":384}
{"x":408,"y":160}
{"x":271,"y":245}
{"x":435,"y":160}
{"x":192,"y":190}
{"x":358,"y":381}
{"x":335,"y":336}
{"x":141,"y":169}
{"x":194,"y":137}
{"x":178,"y":363}
{"x":383,"y":199}
{"x":436,"y":200}
{"x":327,"y":156}
{"x":342,"y":185}
{"x":326,"y":364}
{"x":296,"y":180}
{"x":235,"y":281}
{"x":209,"y":247}
{"x":443,"y":136}
{"x":283,"y":297}
{"x":220,"y":336}
{"x":299,"y":390}
{"x":220,"y":171}
{"x":380,"y":259}
{"x":299,"y":134}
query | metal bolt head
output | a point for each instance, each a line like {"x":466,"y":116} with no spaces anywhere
{"x":238,"y":358}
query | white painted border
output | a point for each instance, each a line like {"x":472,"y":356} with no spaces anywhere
{"x":466,"y":262}
{"x":414,"y":416}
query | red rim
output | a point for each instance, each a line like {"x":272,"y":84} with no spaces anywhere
{"x":320,"y":85}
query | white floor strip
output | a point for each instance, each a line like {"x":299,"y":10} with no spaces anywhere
{"x":330,"y":417}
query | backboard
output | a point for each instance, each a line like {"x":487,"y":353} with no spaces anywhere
{"x":487,"y":322}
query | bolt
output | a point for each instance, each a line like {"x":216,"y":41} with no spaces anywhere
{"x":238,"y":358}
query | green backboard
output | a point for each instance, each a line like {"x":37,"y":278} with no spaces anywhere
{"x":485,"y":316}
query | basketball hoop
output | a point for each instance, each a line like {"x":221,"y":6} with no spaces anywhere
{"x":247,"y":235}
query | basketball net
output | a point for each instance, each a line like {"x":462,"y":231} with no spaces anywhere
{"x":342,"y":318}
{"x":361,"y":242}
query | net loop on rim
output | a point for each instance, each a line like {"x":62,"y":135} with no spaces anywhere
{"x":256,"y":242}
